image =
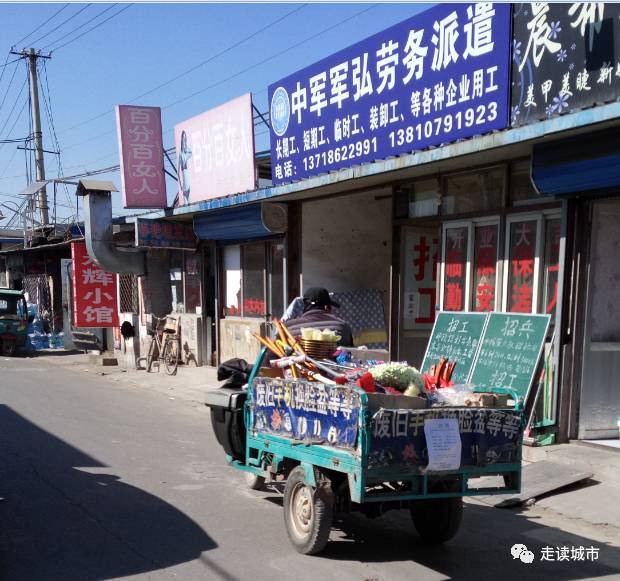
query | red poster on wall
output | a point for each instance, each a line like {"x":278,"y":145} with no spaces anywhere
{"x":455,"y":269}
{"x":522,"y":254}
{"x":485,"y":259}
{"x":94,"y":291}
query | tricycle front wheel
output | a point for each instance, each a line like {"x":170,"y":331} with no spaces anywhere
{"x":308,"y":513}
{"x":437,"y":520}
{"x":254,"y":481}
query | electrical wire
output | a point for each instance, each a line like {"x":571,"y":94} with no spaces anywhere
{"x":41,"y":25}
{"x":13,"y":109}
{"x":53,"y":42}
{"x":237,"y":74}
{"x":34,"y":42}
{"x":126,"y":7}
{"x":47,"y":101}
{"x":193,"y":68}
{"x":6,"y":93}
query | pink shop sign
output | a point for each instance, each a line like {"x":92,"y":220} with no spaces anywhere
{"x":215,"y":152}
{"x":142,"y":156}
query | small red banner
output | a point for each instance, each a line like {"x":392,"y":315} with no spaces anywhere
{"x":94,"y":291}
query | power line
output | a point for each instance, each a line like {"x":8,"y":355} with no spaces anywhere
{"x":96,"y":26}
{"x":6,"y":93}
{"x":13,"y":109}
{"x":193,"y":68}
{"x":237,"y":74}
{"x":41,"y":25}
{"x":48,"y":47}
{"x":74,"y":30}
{"x":34,"y":42}
{"x":6,"y":64}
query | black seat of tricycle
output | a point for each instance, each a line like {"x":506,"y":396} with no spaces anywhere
{"x":226,"y":406}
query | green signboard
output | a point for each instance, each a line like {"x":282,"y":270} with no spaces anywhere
{"x":455,"y":336}
{"x":509,"y":351}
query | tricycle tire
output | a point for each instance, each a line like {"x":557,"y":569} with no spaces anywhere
{"x":308,"y":513}
{"x":254,"y":481}
{"x":437,"y":520}
{"x":8,"y":348}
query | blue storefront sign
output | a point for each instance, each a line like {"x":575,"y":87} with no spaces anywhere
{"x":164,"y":234}
{"x":304,"y":410}
{"x":440,"y":76}
{"x":488,"y":436}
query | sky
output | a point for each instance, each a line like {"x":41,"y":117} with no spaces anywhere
{"x":189,"y":58}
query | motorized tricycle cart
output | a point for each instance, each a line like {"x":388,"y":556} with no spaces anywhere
{"x":340,"y":449}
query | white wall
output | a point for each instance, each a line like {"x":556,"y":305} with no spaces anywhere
{"x":347,"y":242}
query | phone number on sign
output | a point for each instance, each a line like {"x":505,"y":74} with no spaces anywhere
{"x":342,"y":153}
{"x":473,"y":116}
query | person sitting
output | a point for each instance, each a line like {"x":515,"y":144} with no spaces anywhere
{"x":318,"y":315}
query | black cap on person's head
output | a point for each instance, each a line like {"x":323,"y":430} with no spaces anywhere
{"x":318,"y":297}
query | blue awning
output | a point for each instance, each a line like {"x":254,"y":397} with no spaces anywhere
{"x":584,"y":164}
{"x":244,"y":223}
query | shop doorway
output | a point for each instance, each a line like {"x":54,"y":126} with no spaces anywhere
{"x":600,"y":383}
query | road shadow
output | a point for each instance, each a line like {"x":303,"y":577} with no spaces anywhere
{"x":58,"y":521}
{"x":481,"y":547}
{"x":479,"y":550}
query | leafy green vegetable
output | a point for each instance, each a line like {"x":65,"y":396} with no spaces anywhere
{"x":397,"y":375}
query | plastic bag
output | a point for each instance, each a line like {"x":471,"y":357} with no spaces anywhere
{"x":451,"y":396}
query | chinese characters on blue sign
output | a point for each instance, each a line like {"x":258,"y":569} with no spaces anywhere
{"x":440,"y":76}
{"x":487,"y":436}
{"x":306,"y":411}
{"x":163,"y":234}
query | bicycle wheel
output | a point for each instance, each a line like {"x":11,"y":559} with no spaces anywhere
{"x":151,"y":355}
{"x":171,"y":355}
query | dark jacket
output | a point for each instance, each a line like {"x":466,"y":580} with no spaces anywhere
{"x":320,"y":319}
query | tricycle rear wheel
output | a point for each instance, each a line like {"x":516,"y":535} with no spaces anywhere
{"x":437,"y":520}
{"x":308,"y":512}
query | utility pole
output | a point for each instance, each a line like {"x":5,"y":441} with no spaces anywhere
{"x":32,"y":57}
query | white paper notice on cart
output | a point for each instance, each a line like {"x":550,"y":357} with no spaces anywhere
{"x":443,"y":442}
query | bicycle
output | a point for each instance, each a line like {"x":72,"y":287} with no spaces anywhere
{"x":165,"y":344}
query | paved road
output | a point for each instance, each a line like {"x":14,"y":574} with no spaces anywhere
{"x":104,"y":480}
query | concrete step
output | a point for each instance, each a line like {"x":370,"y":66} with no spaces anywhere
{"x":603,"y":463}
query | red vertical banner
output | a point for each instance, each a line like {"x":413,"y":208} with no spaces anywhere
{"x":552,"y":265}
{"x":522,"y":257}
{"x":455,"y":275}
{"x":421,"y":249}
{"x":94,"y":291}
{"x":485,"y":267}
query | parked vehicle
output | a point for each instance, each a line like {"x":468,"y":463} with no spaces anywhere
{"x":13,"y":321}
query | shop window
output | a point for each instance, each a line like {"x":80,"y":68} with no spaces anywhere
{"x":423,"y":197}
{"x":128,"y":293}
{"x":522,"y":252}
{"x":192,"y":283}
{"x":552,"y":266}
{"x":232,"y":280}
{"x":521,"y":189}
{"x":456,"y":244}
{"x":480,"y":191}
{"x":253,"y":268}
{"x":176,"y":282}
{"x":254,"y":279}
{"x":485,"y":266}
